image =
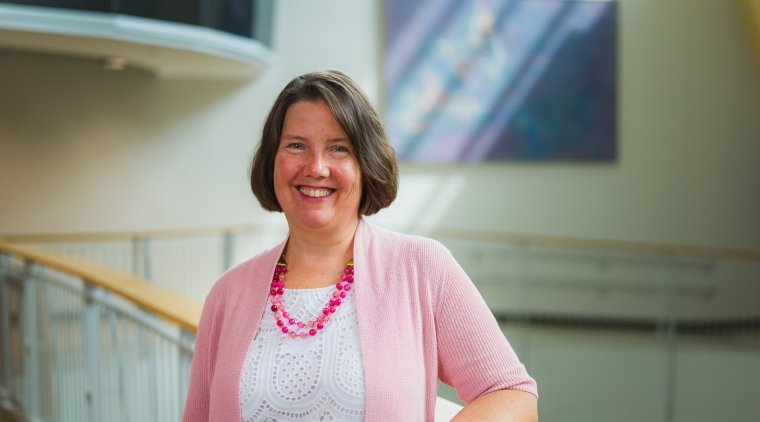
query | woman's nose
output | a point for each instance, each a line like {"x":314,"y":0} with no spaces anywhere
{"x":317,"y":165}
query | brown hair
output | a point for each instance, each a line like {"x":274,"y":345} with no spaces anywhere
{"x":356,"y":116}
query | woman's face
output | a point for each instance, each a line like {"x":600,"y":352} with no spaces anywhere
{"x":317,"y":179}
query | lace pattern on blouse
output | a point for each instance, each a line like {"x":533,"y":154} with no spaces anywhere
{"x":317,"y":378}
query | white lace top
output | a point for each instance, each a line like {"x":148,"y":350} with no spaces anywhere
{"x":318,"y":378}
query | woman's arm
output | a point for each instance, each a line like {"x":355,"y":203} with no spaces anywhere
{"x":476,"y":359}
{"x":502,"y":405}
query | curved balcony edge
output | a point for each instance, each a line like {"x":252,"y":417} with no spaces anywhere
{"x":166,"y":49}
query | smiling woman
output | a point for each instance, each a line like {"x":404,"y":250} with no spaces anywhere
{"x":317,"y":179}
{"x":344,"y":320}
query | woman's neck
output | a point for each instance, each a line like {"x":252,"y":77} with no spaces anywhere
{"x":315,"y":259}
{"x":321,"y":243}
{"x":316,"y":250}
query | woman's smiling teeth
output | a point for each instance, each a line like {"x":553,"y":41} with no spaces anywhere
{"x":314,"y":192}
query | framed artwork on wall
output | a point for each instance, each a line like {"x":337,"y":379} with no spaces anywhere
{"x":491,"y":80}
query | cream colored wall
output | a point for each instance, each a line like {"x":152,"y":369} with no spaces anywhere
{"x":689,"y":145}
{"x":84,"y":149}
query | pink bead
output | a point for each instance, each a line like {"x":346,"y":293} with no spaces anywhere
{"x":304,"y":334}
{"x":291,"y":321}
{"x":325,"y":311}
{"x":274,"y":308}
{"x":320,"y":326}
{"x":280,"y":323}
{"x":337,"y":302}
{"x":280,"y":291}
{"x":332,"y":309}
{"x":285,"y":314}
{"x":335,"y":295}
{"x":326,"y":318}
{"x":346,"y":287}
{"x":320,"y":318}
{"x":339,"y":286}
{"x":278,"y":315}
{"x":301,"y":324}
{"x":310,"y":324}
{"x":312,"y":332}
{"x":293,"y":334}
{"x":285,"y":329}
{"x":343,"y":295}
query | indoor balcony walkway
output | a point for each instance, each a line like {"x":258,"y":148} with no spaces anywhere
{"x":660,"y":324}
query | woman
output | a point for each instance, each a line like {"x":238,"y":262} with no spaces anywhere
{"x":344,"y":320}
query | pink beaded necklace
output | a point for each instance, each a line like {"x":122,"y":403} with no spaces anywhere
{"x":300,"y":329}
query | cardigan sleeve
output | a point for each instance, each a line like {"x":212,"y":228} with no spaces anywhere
{"x":474,"y":357}
{"x":201,"y":370}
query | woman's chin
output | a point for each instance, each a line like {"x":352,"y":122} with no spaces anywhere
{"x":317,"y":221}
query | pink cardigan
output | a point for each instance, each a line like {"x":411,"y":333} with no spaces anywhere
{"x":420,"y":318}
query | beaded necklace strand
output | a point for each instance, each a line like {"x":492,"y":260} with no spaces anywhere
{"x":300,"y":329}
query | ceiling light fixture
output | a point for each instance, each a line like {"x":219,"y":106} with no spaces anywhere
{"x":115,"y":63}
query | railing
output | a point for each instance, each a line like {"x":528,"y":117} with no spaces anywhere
{"x":686,"y":306}
{"x":608,"y":279}
{"x":186,"y":260}
{"x":84,"y":343}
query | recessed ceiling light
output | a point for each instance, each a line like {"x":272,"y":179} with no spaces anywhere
{"x":115,"y":63}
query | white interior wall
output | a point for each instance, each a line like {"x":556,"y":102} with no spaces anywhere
{"x":82,"y":149}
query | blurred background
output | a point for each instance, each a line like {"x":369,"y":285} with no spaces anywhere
{"x":628,"y":280}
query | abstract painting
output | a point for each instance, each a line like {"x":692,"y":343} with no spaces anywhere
{"x":489,"y":80}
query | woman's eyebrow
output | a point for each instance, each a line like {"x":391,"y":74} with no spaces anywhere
{"x":293,"y":136}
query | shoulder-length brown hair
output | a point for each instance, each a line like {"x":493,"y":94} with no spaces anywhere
{"x":356,"y":116}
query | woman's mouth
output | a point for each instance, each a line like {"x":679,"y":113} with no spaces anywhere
{"x":314,"y":192}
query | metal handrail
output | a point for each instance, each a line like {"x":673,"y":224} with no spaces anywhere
{"x":172,"y":306}
{"x":525,"y":239}
{"x":605,"y":245}
{"x":82,"y":342}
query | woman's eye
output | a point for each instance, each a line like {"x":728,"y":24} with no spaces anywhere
{"x":341,"y":149}
{"x":296,"y":145}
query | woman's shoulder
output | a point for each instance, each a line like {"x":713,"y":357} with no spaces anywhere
{"x":393,"y":243}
